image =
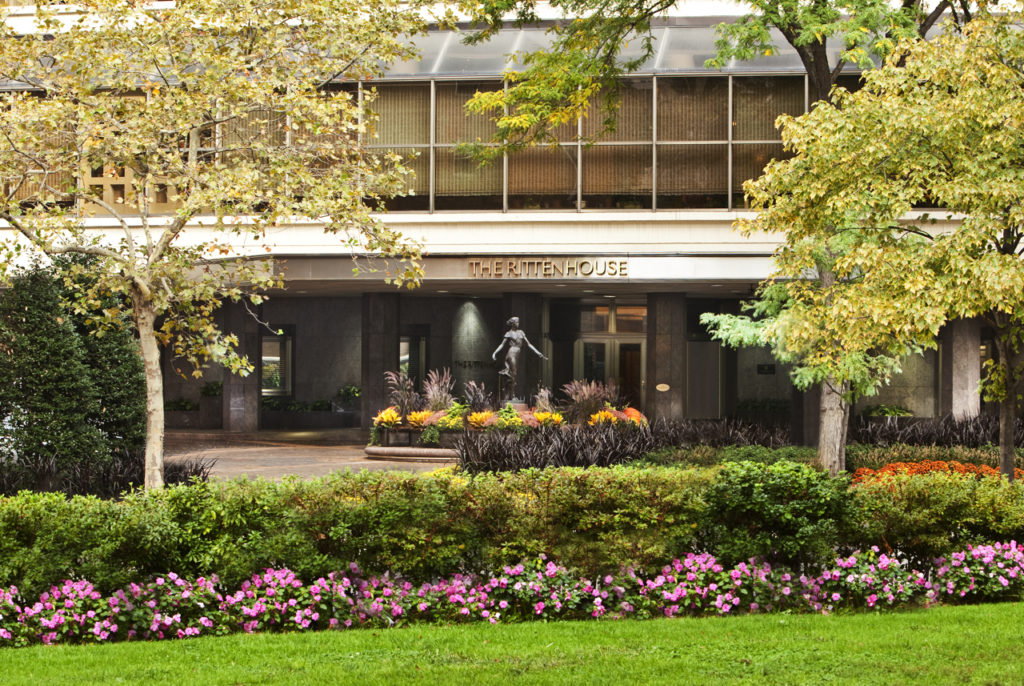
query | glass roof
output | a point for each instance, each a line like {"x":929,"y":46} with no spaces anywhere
{"x":677,"y":50}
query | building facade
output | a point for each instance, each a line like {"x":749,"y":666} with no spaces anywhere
{"x":608,"y":253}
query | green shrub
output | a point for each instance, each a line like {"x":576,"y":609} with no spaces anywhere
{"x":693,"y":456}
{"x":705,"y":455}
{"x":886,"y":411}
{"x":923,"y":516}
{"x":763,"y":455}
{"x":48,"y":403}
{"x":212,"y":389}
{"x":47,"y":538}
{"x":784,"y":513}
{"x":71,"y":397}
{"x":593,"y":521}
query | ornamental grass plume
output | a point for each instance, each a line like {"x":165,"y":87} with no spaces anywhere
{"x":437,"y":389}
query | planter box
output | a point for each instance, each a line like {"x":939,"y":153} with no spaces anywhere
{"x":208,"y":416}
{"x":411,"y":437}
{"x":282,"y":419}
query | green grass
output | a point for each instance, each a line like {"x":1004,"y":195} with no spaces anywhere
{"x":951,"y":645}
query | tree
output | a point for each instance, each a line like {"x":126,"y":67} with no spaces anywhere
{"x":194,"y":127}
{"x":115,"y":369}
{"x":72,"y":399}
{"x":584,"y":63}
{"x":48,"y":404}
{"x":583,"y":66}
{"x":808,"y":321}
{"x":940,"y":125}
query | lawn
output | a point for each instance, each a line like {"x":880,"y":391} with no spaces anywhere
{"x":978,"y":644}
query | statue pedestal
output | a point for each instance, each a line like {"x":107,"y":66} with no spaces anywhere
{"x":519,"y":407}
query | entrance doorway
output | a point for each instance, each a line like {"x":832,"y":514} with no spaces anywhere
{"x":608,"y":358}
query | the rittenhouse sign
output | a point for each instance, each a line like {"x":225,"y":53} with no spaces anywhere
{"x":547,"y":267}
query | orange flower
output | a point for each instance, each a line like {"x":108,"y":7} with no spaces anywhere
{"x":634,"y":415}
{"x":928,"y":466}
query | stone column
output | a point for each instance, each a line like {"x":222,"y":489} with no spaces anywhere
{"x":241,"y":399}
{"x":380,"y":351}
{"x":666,"y":355}
{"x":806,"y":415}
{"x":961,"y":369}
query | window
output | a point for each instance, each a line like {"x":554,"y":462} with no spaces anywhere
{"x":613,"y":318}
{"x":412,"y":357}
{"x":276,"y":365}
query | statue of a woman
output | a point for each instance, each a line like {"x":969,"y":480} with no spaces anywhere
{"x":515,"y":339}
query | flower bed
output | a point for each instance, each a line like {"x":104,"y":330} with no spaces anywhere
{"x":928,"y":466}
{"x":426,"y":427}
{"x":697,"y":585}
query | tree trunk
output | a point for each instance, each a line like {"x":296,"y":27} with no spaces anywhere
{"x":1007,"y":425}
{"x":145,"y":320}
{"x":1008,"y":404}
{"x":832,"y":423}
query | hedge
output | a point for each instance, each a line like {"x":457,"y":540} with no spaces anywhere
{"x":857,"y":455}
{"x":593,"y":521}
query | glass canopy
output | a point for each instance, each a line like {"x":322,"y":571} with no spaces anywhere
{"x":677,"y":50}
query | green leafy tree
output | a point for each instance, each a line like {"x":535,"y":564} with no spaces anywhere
{"x":48,"y":403}
{"x":940,"y":124}
{"x":115,"y":371}
{"x":600,"y":40}
{"x":583,"y":68}
{"x":193,"y":128}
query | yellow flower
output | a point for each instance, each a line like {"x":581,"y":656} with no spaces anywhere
{"x":478,"y":419}
{"x":602,"y":417}
{"x":548,"y":418}
{"x":511,"y":422}
{"x":450,"y":423}
{"x":388,"y":418}
{"x":417,"y":418}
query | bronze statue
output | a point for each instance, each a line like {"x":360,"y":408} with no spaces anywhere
{"x":515,"y":338}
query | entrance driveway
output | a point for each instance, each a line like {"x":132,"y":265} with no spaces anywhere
{"x":276,"y":454}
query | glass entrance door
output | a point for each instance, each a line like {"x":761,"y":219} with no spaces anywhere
{"x":619,"y":359}
{"x":631,"y":373}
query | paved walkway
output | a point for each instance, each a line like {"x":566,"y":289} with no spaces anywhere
{"x":276,"y":454}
